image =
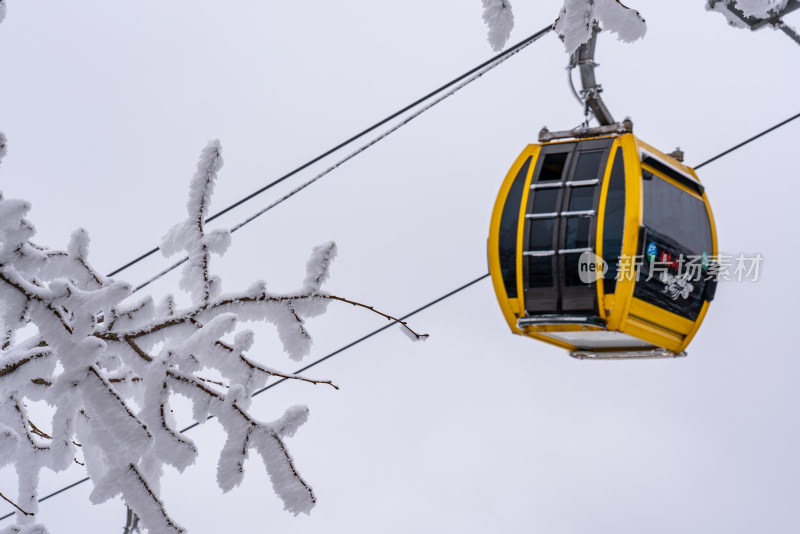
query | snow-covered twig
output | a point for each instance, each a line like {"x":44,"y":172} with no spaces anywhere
{"x":12,"y":503}
{"x":404,"y":324}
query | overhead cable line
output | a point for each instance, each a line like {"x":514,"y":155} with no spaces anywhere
{"x":499,"y":57}
{"x":309,"y":366}
{"x":403,"y":123}
{"x":364,"y":338}
{"x":477,"y":74}
{"x":743,"y":143}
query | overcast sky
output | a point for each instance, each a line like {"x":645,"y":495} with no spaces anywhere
{"x":107,"y":105}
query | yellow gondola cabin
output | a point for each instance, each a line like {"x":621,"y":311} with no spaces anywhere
{"x":603,"y":246}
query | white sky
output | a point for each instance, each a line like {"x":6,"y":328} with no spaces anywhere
{"x":107,"y":105}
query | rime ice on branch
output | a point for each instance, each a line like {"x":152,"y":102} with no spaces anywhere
{"x":574,"y":23}
{"x":499,"y":20}
{"x":92,"y":349}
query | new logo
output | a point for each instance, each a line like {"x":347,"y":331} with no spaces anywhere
{"x":591,"y":267}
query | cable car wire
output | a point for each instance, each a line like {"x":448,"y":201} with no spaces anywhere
{"x":475,"y":75}
{"x":403,"y":123}
{"x":497,"y":58}
{"x":303,"y":369}
{"x":743,"y":143}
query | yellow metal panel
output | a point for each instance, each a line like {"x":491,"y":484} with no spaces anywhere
{"x":669,"y":159}
{"x":608,"y":302}
{"x":668,"y":320}
{"x":651,"y":334}
{"x":655,"y":314}
{"x":657,"y":326}
{"x":510,"y":311}
{"x":630,"y":235}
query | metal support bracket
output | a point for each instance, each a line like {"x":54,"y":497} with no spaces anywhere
{"x":583,"y":58}
{"x":625,"y":126}
{"x":775,"y":20}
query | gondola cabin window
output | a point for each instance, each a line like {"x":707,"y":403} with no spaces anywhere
{"x":676,"y":237}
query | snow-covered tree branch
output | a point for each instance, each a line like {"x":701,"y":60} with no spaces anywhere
{"x":577,"y":17}
{"x":574,"y":23}
{"x":110,"y":364}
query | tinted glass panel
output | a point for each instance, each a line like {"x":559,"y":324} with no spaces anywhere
{"x":614,"y":224}
{"x":675,"y":213}
{"x":581,"y":198}
{"x":588,"y":166}
{"x":571,"y":270}
{"x":509,"y":224}
{"x":544,"y":200}
{"x":540,"y":271}
{"x":552,"y":167}
{"x":577,"y":232}
{"x":541,"y":234}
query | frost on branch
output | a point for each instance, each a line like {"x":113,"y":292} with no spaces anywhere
{"x":110,"y":364}
{"x":499,"y":20}
{"x":759,"y":9}
{"x":190,"y":237}
{"x":574,"y":23}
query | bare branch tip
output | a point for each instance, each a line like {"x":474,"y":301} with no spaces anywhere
{"x":12,"y":503}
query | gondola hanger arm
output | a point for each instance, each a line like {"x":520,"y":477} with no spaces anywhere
{"x":583,"y":58}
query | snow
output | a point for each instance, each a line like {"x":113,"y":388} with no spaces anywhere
{"x":190,"y":236}
{"x":9,"y":443}
{"x":318,"y":266}
{"x":574,"y":24}
{"x":719,"y":7}
{"x":627,"y":23}
{"x":109,"y":364}
{"x":499,"y":20}
{"x":760,"y":8}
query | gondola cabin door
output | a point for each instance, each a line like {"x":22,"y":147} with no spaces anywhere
{"x":560,"y":228}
